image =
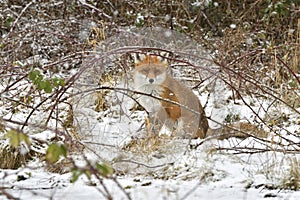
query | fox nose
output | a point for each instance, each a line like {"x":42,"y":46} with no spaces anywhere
{"x":151,"y":80}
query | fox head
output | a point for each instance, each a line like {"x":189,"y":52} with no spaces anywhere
{"x":150,"y":69}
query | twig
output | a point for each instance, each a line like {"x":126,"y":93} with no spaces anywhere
{"x":143,"y":164}
{"x":16,"y":21}
{"x":121,"y":188}
{"x":253,"y":150}
{"x":6,"y":194}
{"x":94,"y":171}
{"x":290,"y":70}
{"x":94,"y":8}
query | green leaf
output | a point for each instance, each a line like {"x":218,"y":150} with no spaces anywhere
{"x":62,"y":82}
{"x":55,"y":151}
{"x":55,"y":82}
{"x":41,"y":85}
{"x":15,"y":138}
{"x":76,"y":173}
{"x":47,"y":86}
{"x":33,"y":75}
{"x":104,"y":169}
{"x":88,"y":174}
{"x":58,"y":82}
{"x":8,"y":22}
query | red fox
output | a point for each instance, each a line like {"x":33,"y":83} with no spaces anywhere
{"x":177,"y":109}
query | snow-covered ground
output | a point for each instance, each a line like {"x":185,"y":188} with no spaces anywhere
{"x":233,"y":185}
{"x":162,"y":167}
{"x":196,"y":175}
{"x":168,"y":170}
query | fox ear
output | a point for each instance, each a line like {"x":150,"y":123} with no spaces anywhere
{"x":163,"y":57}
{"x":138,"y":57}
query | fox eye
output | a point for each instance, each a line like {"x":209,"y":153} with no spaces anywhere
{"x":146,"y":71}
{"x":156,"y":71}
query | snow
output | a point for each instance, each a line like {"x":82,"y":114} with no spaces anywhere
{"x":181,"y":173}
{"x":230,"y":180}
{"x":233,"y":26}
{"x":170,"y":169}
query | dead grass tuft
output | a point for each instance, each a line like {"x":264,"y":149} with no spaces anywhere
{"x":11,"y":158}
{"x":147,"y":145}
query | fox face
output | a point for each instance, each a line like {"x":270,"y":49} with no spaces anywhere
{"x":149,"y":75}
{"x":149,"y":70}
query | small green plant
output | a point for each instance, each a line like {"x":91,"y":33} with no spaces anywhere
{"x":277,"y":9}
{"x":10,"y":155}
{"x":7,"y":22}
{"x":16,"y":138}
{"x":139,"y":22}
{"x":45,"y":84}
{"x":55,"y":151}
{"x":102,"y":170}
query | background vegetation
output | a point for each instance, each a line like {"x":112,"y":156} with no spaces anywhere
{"x":255,"y":44}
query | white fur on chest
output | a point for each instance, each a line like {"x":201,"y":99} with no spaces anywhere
{"x":151,"y":90}
{"x":148,"y":101}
